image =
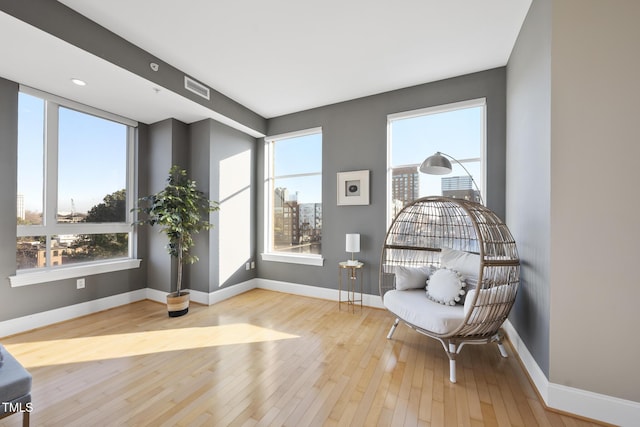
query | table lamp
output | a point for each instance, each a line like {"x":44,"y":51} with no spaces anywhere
{"x":353,"y":245}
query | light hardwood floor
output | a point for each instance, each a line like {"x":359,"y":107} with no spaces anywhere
{"x":265,"y":359}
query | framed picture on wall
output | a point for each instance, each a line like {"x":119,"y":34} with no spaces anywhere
{"x":353,"y":188}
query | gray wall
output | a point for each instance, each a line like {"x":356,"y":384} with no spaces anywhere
{"x":528,"y":175}
{"x":355,"y":138}
{"x":168,"y":145}
{"x":222,"y":161}
{"x":573,"y":87}
{"x":25,"y":300}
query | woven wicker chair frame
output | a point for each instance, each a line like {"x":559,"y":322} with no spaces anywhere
{"x":416,"y":238}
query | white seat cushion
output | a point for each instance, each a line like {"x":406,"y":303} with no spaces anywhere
{"x":415,"y":308}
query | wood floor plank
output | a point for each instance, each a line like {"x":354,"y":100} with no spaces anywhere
{"x":265,"y":359}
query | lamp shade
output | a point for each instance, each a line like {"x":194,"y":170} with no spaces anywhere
{"x":436,"y":165}
{"x":353,"y":242}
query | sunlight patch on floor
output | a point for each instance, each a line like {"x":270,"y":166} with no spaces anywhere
{"x":103,"y":347}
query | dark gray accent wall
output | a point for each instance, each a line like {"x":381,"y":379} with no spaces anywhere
{"x":8,"y":194}
{"x":200,"y":171}
{"x":355,"y":138}
{"x":528,"y":176}
{"x":168,"y":145}
{"x":26,"y":300}
{"x":57,"y":19}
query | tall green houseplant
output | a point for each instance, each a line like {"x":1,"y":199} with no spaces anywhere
{"x":180,"y":210}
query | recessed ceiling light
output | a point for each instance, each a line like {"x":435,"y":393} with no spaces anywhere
{"x":79,"y":82}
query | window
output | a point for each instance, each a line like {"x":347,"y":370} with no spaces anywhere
{"x":293,"y":229}
{"x":458,"y":130}
{"x":75,"y":180}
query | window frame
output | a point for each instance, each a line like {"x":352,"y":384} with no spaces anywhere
{"x":437,"y":109}
{"x":268,"y":253}
{"x":50,"y":226}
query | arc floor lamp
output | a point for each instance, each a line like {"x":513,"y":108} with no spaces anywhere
{"x":439,"y":164}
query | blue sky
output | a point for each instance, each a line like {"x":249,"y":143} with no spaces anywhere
{"x":300,"y":155}
{"x":91,"y":157}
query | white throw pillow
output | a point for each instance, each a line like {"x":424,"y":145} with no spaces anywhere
{"x":445,"y":286}
{"x":411,"y":277}
{"x":465,"y":263}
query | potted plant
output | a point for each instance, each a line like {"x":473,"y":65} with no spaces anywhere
{"x":180,"y":210}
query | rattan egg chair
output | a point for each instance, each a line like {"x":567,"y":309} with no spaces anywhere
{"x":418,"y":240}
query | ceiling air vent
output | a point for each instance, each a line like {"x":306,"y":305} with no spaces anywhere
{"x":196,"y":87}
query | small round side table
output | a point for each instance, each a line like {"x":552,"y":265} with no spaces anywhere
{"x":351,"y":270}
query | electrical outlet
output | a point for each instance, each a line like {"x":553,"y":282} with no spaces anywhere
{"x":253,"y":265}
{"x":80,"y":283}
{"x":247,"y":266}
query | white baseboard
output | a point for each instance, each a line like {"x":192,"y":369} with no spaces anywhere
{"x":584,"y":403}
{"x":204,"y":297}
{"x":314,"y":291}
{"x":538,"y":377}
{"x":231,"y":291}
{"x":156,"y":295}
{"x":46,"y":318}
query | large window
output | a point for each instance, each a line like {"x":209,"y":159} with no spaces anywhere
{"x":294,"y":197}
{"x":75,"y":180}
{"x":457,"y":130}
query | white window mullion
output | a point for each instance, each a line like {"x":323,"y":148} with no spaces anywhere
{"x":47,"y":251}
{"x":269,"y":196}
{"x":88,"y":228}
{"x":132,"y":187}
{"x":51,"y":166}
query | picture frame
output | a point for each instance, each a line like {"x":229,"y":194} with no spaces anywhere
{"x":353,"y":188}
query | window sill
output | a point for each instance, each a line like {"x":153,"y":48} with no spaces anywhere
{"x":315,"y":260}
{"x":53,"y":274}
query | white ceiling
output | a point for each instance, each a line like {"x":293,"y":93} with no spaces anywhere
{"x":274,"y":57}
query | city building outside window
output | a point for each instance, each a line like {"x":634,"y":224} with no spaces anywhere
{"x":75,"y":181}
{"x":455,"y":129}
{"x":293,"y":220}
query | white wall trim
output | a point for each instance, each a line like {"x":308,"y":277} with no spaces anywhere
{"x":156,"y":295}
{"x":573,"y":400}
{"x":204,"y":297}
{"x":46,"y":318}
{"x":231,"y":291}
{"x":540,"y":381}
{"x":303,"y":259}
{"x":44,"y":275}
{"x":314,"y":292}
